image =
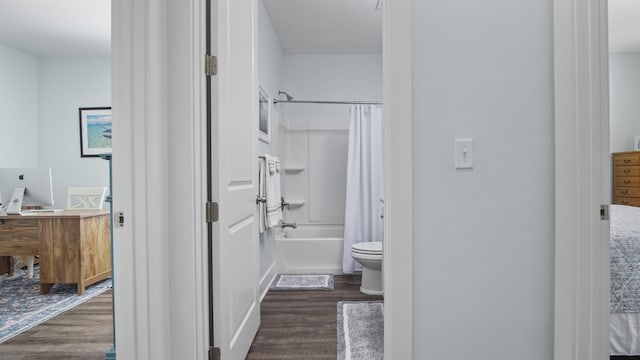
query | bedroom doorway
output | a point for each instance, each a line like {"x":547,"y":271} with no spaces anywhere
{"x":624,"y":128}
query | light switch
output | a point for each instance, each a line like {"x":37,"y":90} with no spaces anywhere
{"x":464,"y":153}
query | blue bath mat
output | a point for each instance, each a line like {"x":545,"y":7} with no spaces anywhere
{"x":303,"y":282}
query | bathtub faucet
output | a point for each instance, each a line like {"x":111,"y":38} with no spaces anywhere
{"x":283,"y":203}
{"x":291,"y":225}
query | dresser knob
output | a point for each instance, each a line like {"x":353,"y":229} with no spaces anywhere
{"x":626,"y":161}
{"x":627,"y":181}
{"x":626,"y":171}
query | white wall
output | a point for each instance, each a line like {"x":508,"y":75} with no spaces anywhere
{"x":18,"y":108}
{"x":270,"y":79}
{"x":64,"y":85}
{"x":39,"y":101}
{"x":624,"y":92}
{"x":317,"y":135}
{"x":483,"y":240}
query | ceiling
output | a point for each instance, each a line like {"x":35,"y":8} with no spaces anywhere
{"x":57,"y":27}
{"x":624,"y":26}
{"x":326,"y":26}
{"x":82,"y":27}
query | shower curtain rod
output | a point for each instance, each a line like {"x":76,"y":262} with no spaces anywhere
{"x":275,"y":101}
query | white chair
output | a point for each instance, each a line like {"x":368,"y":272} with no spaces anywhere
{"x":86,"y":197}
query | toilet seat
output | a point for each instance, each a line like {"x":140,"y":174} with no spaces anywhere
{"x":367,"y":248}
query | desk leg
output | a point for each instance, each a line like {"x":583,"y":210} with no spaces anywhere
{"x":44,"y":288}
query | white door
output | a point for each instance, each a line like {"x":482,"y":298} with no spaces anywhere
{"x":234,"y":120}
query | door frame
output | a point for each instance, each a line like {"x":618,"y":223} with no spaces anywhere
{"x":398,"y":160}
{"x":582,"y":179}
{"x":159,"y":172}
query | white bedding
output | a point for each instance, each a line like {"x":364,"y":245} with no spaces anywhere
{"x":624,"y":334}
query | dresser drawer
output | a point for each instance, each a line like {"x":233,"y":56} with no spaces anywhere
{"x":627,"y":192}
{"x":626,"y":181}
{"x":626,"y":201}
{"x":627,"y":170}
{"x":626,"y":159}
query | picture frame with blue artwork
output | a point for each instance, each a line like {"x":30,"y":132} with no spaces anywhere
{"x":95,"y":131}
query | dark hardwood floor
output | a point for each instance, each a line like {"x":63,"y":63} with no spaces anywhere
{"x":302,"y":324}
{"x":294,"y":325}
{"x":84,"y":332}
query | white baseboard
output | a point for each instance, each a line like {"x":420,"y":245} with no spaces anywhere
{"x":266,"y":280}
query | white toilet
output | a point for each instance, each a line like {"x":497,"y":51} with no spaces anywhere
{"x":369,"y":255}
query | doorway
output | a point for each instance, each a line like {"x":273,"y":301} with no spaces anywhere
{"x":624,"y":80}
{"x":158,"y":289}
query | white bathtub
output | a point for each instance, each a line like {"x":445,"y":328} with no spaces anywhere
{"x":310,"y":249}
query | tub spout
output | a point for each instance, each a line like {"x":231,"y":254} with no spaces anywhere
{"x":291,"y":225}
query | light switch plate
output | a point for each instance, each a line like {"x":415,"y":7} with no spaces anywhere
{"x":464,"y":153}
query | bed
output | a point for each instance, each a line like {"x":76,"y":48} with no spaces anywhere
{"x":624,"y":247}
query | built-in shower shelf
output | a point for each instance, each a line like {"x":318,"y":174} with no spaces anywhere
{"x":294,"y":204}
{"x":293,"y":169}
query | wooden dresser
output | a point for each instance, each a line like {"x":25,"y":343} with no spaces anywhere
{"x":626,"y":178}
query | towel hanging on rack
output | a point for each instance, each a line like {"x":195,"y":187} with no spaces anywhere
{"x":272,"y":190}
{"x":262,"y":193}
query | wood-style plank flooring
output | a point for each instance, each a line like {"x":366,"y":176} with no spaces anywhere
{"x":302,"y":324}
{"x":294,"y":325}
{"x":82,"y":333}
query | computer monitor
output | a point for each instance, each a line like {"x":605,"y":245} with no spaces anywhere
{"x":36,"y":181}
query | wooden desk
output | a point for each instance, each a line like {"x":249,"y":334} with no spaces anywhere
{"x":74,"y":245}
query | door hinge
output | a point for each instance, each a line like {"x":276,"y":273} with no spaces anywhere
{"x":119,"y":218}
{"x":212,"y":211}
{"x":214,"y":353}
{"x":210,"y":65}
{"x":604,"y":212}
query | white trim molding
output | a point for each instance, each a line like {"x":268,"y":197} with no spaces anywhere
{"x":159,"y":254}
{"x":398,"y":160}
{"x":582,"y":165}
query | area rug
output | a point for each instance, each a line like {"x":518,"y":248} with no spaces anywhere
{"x":22,"y":307}
{"x":303,"y":282}
{"x":360,"y":330}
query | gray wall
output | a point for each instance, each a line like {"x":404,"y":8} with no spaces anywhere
{"x":624,"y":95}
{"x":64,"y":85}
{"x":483,"y":239}
{"x":39,"y":101}
{"x":18,"y":108}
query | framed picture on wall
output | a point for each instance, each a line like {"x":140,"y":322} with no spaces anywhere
{"x":636,"y":143}
{"x":264,"y":116}
{"x":95,"y":131}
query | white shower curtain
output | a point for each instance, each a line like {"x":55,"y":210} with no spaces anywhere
{"x":363,"y":206}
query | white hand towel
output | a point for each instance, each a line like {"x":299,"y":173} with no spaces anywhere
{"x":272,"y":164}
{"x":274,"y":212}
{"x":262,"y":192}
